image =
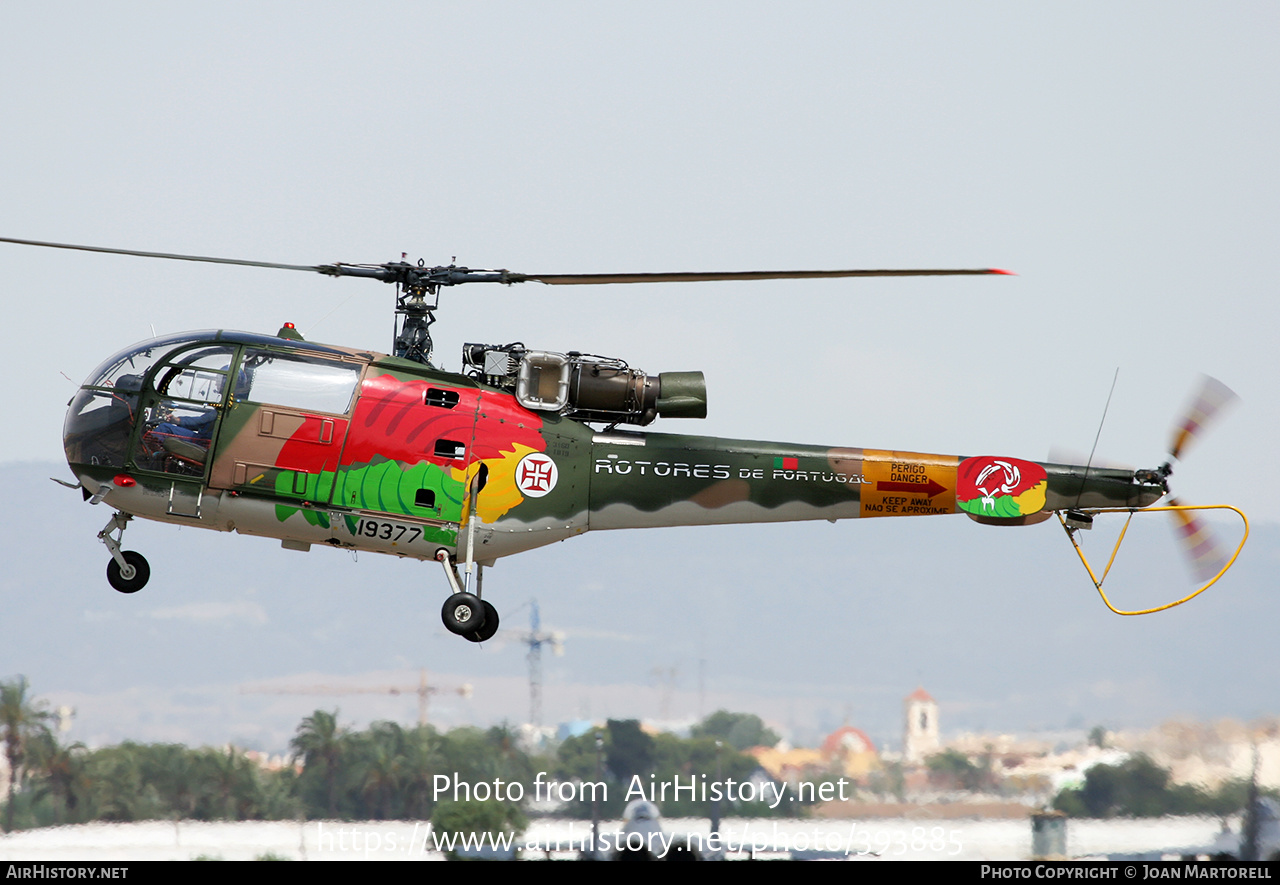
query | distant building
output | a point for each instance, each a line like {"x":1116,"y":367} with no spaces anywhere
{"x":846,"y":751}
{"x":789,"y":766}
{"x":851,"y":751}
{"x":920,"y":728}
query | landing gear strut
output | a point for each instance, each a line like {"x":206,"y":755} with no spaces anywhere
{"x":128,"y":570}
{"x":466,"y":614}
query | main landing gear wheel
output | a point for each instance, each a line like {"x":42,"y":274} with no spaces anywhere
{"x":463,"y":613}
{"x":133,"y":577}
{"x":490,"y":627}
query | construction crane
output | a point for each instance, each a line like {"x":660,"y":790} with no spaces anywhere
{"x":422,"y":689}
{"x":536,"y":638}
{"x":666,"y":677}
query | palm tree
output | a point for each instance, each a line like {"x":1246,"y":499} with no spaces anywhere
{"x":63,"y":771}
{"x":422,"y":760}
{"x":318,"y":744}
{"x":225,"y":775}
{"x":173,"y":771}
{"x":21,"y":719}
{"x":117,"y":788}
{"x":381,"y":777}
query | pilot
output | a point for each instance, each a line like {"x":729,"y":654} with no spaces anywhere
{"x":200,"y":427}
{"x":190,"y":426}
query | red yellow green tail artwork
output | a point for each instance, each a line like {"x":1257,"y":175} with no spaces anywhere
{"x":1001,"y":487}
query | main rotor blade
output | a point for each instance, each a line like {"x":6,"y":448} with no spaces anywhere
{"x":171,"y":255}
{"x":580,"y":279}
{"x":402,"y":272}
{"x":1212,"y":398}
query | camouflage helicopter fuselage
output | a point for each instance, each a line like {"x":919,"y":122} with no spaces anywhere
{"x":313,"y":444}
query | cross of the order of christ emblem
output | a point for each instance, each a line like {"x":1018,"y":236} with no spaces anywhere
{"x":536,"y":475}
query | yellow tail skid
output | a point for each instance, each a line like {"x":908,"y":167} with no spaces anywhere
{"x":1097,"y":582}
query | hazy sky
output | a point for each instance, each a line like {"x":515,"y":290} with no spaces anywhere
{"x":1119,"y":157}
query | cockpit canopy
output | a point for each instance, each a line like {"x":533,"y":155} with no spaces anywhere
{"x":126,"y":369}
{"x":101,"y":416}
{"x":155,"y":405}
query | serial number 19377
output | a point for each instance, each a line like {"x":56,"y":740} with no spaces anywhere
{"x":387,"y":531}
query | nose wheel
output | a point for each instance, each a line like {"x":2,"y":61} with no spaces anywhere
{"x":132,"y":576}
{"x":128,"y":570}
{"x":466,"y":614}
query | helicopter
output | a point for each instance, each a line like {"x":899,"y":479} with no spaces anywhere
{"x":316,"y":444}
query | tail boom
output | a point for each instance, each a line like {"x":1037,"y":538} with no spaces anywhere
{"x":643,"y":480}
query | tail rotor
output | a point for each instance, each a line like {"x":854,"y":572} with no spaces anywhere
{"x":1205,"y":554}
{"x":1209,"y":401}
{"x":1207,"y":559}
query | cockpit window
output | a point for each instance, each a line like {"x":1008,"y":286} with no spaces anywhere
{"x":103,"y":414}
{"x":301,"y":382}
{"x":198,"y":374}
{"x":98,"y":425}
{"x":126,"y":368}
{"x":181,"y":409}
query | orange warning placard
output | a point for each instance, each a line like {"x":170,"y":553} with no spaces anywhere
{"x":907,"y":483}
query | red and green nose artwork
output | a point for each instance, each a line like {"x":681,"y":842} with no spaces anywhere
{"x":1000,"y":487}
{"x":413,"y":446}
